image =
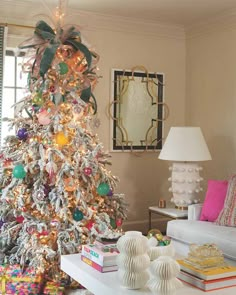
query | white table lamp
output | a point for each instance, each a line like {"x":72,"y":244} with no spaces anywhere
{"x":185,"y":146}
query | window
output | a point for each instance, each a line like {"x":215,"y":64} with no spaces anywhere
{"x":14,"y":85}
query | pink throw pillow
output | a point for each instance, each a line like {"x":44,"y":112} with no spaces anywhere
{"x":214,"y":200}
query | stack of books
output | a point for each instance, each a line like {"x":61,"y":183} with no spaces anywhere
{"x":101,"y":257}
{"x":208,"y":279}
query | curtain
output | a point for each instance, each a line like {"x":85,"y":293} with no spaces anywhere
{"x":3,"y":37}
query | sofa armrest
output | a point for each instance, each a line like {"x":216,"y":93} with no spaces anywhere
{"x":194,"y":211}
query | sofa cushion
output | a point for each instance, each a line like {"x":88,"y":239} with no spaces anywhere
{"x":200,"y":232}
{"x":214,"y":200}
{"x":227,"y":215}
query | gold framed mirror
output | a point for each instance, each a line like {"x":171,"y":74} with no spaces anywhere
{"x":137,"y":110}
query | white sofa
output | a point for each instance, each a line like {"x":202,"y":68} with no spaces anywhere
{"x":185,"y":232}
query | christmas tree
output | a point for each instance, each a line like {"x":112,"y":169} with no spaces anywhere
{"x":56,"y":193}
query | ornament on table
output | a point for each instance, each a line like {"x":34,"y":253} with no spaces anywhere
{"x":69,"y":184}
{"x":61,"y":138}
{"x":19,"y":171}
{"x":87,"y":171}
{"x":22,"y":133}
{"x":44,"y":118}
{"x":159,"y":245}
{"x":78,"y":215}
{"x":103,"y":189}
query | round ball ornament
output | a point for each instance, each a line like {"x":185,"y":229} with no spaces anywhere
{"x":119,"y":222}
{"x":103,"y":189}
{"x":110,"y":193}
{"x":44,"y":118}
{"x":19,"y":171}
{"x":22,"y":133}
{"x":61,"y":138}
{"x":20,"y":219}
{"x":154,"y":233}
{"x":88,"y":171}
{"x":78,"y":215}
{"x":37,"y":99}
{"x":63,"y":68}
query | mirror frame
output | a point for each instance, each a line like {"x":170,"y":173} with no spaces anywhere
{"x":162,"y":113}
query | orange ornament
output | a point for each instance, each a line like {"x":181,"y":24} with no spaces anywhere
{"x":70,"y":184}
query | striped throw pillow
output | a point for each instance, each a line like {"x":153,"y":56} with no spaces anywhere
{"x":227,"y":215}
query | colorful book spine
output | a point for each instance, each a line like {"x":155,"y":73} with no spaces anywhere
{"x":210,"y":273}
{"x":97,"y":266}
{"x":207,"y":285}
{"x":104,"y":256}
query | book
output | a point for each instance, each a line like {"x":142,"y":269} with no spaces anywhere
{"x":207,"y":285}
{"x":98,"y":266}
{"x":208,"y":273}
{"x":105,"y":242}
{"x":102,"y":255}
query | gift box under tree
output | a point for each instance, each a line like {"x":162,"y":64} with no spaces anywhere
{"x":52,"y":288}
{"x":17,"y":282}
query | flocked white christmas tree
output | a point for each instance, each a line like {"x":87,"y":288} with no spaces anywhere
{"x":56,"y":192}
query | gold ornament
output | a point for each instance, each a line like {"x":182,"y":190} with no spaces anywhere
{"x":154,"y":233}
{"x":61,"y":138}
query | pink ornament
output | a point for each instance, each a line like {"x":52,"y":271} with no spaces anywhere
{"x":52,"y":88}
{"x":89,"y":224}
{"x":88,"y":171}
{"x":44,"y":118}
{"x":20,"y":219}
{"x":119,"y":222}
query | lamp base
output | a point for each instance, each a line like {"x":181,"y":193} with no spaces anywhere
{"x":185,"y":183}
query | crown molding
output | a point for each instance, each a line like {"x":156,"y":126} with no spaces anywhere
{"x":222,"y":22}
{"x":95,"y":21}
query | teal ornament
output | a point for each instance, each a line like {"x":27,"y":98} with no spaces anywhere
{"x":103,"y":189}
{"x":78,"y":215}
{"x":19,"y":171}
{"x":63,"y":68}
{"x":113,"y":223}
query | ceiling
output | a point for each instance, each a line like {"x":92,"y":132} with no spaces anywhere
{"x":175,"y":12}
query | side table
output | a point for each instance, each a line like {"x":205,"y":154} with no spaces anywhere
{"x":171,"y":213}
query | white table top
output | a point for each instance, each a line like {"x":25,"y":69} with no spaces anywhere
{"x":108,"y":284}
{"x":173,"y":212}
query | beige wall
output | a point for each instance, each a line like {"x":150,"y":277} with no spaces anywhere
{"x":123,"y":44}
{"x":211,"y":93}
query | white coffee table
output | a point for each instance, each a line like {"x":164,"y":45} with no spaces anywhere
{"x":108,"y":284}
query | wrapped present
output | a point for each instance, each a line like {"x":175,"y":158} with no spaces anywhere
{"x":52,"y":288}
{"x":15,"y":281}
